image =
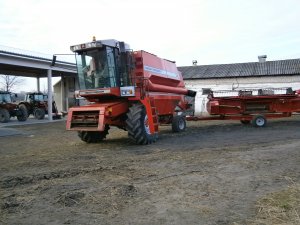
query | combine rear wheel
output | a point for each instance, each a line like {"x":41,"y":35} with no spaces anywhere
{"x":24,"y":113}
{"x":138,"y":125}
{"x":93,"y":136}
{"x":178,"y":124}
{"x":4,"y":116}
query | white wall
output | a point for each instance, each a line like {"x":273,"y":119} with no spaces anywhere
{"x":57,"y":95}
{"x":64,"y":96}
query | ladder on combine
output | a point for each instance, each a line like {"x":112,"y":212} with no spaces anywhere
{"x":151,"y":111}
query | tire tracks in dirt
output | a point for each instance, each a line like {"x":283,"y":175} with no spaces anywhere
{"x":14,"y":181}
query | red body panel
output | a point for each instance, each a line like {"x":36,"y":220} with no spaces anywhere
{"x":94,"y":117}
{"x":161,"y":75}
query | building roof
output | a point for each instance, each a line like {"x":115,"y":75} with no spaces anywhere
{"x":253,"y":69}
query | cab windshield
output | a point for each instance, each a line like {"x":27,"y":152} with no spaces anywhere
{"x":40,"y":97}
{"x":97,"y":68}
{"x":5,"y":98}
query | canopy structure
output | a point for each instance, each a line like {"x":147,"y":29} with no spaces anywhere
{"x":24,"y":63}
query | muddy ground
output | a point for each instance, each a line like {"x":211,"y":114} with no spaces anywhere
{"x":214,"y":173}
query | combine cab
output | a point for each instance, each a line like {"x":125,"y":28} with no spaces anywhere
{"x":135,"y":91}
{"x":9,"y":109}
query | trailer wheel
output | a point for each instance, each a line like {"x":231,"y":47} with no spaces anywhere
{"x":93,"y":136}
{"x":259,"y":121}
{"x":39,"y":113}
{"x":24,"y":113}
{"x":4,"y":115}
{"x":138,"y":127}
{"x":245,"y":122}
{"x":178,"y":124}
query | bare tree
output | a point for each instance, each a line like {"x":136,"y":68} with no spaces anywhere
{"x":8,"y":82}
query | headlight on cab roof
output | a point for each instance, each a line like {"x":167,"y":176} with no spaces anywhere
{"x":94,"y":44}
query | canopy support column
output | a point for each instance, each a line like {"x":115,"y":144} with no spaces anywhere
{"x":38,"y":88}
{"x":50,"y":96}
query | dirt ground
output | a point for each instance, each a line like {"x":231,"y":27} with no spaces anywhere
{"x":214,"y":173}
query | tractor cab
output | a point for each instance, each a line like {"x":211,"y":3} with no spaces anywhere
{"x":5,"y":97}
{"x":102,"y":66}
{"x":35,"y":97}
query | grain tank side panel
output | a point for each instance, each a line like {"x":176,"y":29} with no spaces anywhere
{"x":160,"y":71}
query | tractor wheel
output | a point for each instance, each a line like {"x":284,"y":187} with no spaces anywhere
{"x":25,"y":108}
{"x":245,"y":122}
{"x":259,"y":121}
{"x":39,"y":113}
{"x":178,"y":124}
{"x":93,"y":136}
{"x":4,"y":115}
{"x":138,"y":127}
{"x":24,"y":113}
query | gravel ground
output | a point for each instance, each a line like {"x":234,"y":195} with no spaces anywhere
{"x":214,"y":173}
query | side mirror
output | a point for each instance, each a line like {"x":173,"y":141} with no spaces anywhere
{"x":16,"y":95}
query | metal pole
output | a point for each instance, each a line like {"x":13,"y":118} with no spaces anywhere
{"x":49,"y":74}
{"x":67,"y":95}
{"x":38,"y":84}
{"x":62,"y":96}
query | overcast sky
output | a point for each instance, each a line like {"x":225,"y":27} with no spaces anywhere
{"x":209,"y":31}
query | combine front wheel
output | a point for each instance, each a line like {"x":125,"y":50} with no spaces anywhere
{"x":138,"y":126}
{"x":93,"y":136}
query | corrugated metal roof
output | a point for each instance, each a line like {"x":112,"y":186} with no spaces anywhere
{"x":268,"y":68}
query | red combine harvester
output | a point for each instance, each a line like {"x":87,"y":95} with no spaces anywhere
{"x":252,"y":106}
{"x":135,"y":91}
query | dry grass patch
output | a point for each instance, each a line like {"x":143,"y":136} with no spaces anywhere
{"x":282,"y":207}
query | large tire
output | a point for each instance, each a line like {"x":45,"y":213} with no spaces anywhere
{"x":178,"y":124}
{"x":93,"y":136}
{"x":39,"y":113}
{"x":4,"y":115}
{"x":24,"y":107}
{"x":138,"y":127}
{"x":24,"y":113}
{"x":259,"y":121}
